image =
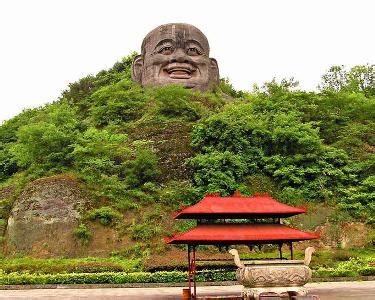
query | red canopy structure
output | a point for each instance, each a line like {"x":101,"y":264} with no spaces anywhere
{"x":233,"y":234}
{"x":260,"y":223}
{"x":213,"y":206}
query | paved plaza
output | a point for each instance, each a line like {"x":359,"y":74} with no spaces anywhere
{"x":363,"y":290}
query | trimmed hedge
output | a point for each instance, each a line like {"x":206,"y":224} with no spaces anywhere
{"x":354,"y":267}
{"x":147,"y":277}
{"x":367,"y":271}
{"x":111,"y":277}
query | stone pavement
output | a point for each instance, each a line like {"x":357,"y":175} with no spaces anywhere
{"x":363,"y":290}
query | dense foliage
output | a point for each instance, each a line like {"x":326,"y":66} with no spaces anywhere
{"x":114,"y":135}
{"x":311,"y":146}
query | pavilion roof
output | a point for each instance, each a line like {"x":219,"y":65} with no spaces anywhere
{"x":214,"y":206}
{"x":231,"y":234}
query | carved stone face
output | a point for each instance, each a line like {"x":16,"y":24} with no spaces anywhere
{"x":176,"y":54}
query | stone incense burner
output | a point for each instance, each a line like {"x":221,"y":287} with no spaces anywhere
{"x":273,"y":276}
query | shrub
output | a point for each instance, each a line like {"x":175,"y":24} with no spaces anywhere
{"x":227,"y":88}
{"x":125,"y":203}
{"x":218,"y":171}
{"x":5,"y":207}
{"x":367,"y":271}
{"x":142,"y":169}
{"x":94,"y":267}
{"x":143,"y":231}
{"x":97,"y":154}
{"x":99,"y":158}
{"x":173,"y":101}
{"x":341,"y":255}
{"x":136,"y":251}
{"x":8,"y":165}
{"x":105,"y":214}
{"x":175,"y":194}
{"x":359,"y":200}
{"x":82,"y":233}
{"x":350,"y":268}
{"x":120,"y":102}
{"x":344,"y":273}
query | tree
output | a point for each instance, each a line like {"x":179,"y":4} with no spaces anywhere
{"x":79,"y":92}
{"x":47,"y":141}
{"x":359,"y":79}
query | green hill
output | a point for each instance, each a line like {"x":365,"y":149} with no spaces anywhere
{"x":133,"y":156}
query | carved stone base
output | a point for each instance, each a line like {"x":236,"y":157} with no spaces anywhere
{"x":254,"y":293}
{"x":271,"y":274}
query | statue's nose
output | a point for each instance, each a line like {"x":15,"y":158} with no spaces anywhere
{"x":180,"y":56}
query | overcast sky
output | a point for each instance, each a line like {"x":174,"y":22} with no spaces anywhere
{"x":45,"y":45}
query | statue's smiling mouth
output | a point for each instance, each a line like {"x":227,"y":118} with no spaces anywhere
{"x":180,"y":71}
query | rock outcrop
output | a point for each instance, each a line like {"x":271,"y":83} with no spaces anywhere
{"x":44,"y":216}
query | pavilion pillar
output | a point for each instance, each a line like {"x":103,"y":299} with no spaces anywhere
{"x":194,"y":275}
{"x":192,"y":279}
{"x":189,"y":272}
{"x":280,"y":252}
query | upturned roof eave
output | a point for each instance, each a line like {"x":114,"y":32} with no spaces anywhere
{"x":234,"y":215}
{"x":226,"y":234}
{"x":257,"y":205}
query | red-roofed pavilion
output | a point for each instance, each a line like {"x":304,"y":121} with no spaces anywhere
{"x":260,"y":223}
{"x":212,"y":206}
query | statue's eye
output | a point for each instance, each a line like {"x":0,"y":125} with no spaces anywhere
{"x":192,"y":51}
{"x":166,"y":50}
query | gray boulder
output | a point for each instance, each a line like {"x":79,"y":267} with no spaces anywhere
{"x":44,"y":217}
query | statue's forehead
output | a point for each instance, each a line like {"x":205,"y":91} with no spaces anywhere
{"x":175,"y":32}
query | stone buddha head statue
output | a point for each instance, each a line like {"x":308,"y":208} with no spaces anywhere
{"x":176,"y":54}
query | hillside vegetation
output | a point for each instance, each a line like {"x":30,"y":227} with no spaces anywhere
{"x":141,"y":154}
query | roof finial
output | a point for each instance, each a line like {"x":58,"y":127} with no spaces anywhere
{"x":237,"y":193}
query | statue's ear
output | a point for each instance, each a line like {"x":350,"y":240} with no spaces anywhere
{"x":214,"y":70}
{"x":137,"y":67}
